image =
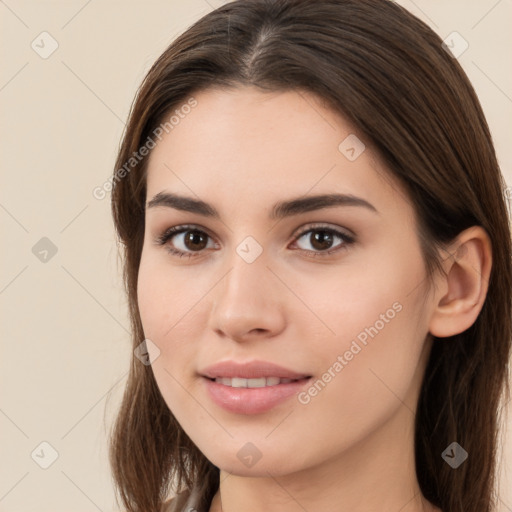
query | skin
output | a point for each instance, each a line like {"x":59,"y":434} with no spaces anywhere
{"x":351,"y":448}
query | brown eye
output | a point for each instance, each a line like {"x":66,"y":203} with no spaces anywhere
{"x":322,"y":239}
{"x":184,"y":240}
{"x":189,"y":241}
{"x":195,"y":240}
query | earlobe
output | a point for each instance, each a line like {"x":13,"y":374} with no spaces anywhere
{"x":461,"y":292}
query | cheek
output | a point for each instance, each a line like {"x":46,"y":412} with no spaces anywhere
{"x":151,"y":299}
{"x":167,"y":298}
{"x":370,"y":362}
{"x":169,"y":310}
{"x":368,"y":295}
{"x":361,"y":385}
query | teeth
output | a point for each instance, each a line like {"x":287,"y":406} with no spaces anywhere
{"x":238,"y":382}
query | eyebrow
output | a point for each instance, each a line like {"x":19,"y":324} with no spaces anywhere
{"x":280,"y":210}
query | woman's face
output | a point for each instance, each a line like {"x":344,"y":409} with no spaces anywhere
{"x":334,"y":293}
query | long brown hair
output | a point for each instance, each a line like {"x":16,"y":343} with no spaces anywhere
{"x":388,"y":74}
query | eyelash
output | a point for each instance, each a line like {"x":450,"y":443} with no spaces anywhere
{"x":169,"y":233}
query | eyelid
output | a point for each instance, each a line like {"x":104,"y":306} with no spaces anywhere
{"x":179,"y":228}
{"x":318,"y":225}
{"x":345,"y":233}
{"x":299,"y":232}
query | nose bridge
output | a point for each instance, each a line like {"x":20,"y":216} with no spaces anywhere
{"x":246,"y":280}
{"x":245,"y":298}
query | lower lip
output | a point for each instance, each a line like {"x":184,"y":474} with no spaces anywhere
{"x":252,"y":400}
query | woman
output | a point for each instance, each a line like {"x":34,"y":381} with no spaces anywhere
{"x":318,"y":267}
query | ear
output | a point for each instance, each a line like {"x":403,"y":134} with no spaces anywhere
{"x":460,"y":294}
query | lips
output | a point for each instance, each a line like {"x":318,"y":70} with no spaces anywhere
{"x":262,"y":382}
{"x":252,"y":387}
{"x":250,"y":370}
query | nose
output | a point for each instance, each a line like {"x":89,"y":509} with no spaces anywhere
{"x":247,"y":303}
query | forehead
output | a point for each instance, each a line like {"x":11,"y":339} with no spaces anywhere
{"x":258,"y":146}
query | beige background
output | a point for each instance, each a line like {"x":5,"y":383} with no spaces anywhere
{"x":65,"y":339}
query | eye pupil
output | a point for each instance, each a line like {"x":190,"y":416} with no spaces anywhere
{"x":322,"y":239}
{"x":194,"y":238}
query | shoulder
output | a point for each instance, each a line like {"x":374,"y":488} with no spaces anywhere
{"x":178,"y":503}
{"x":189,"y":500}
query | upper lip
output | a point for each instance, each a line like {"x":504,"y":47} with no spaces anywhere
{"x":250,"y":370}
